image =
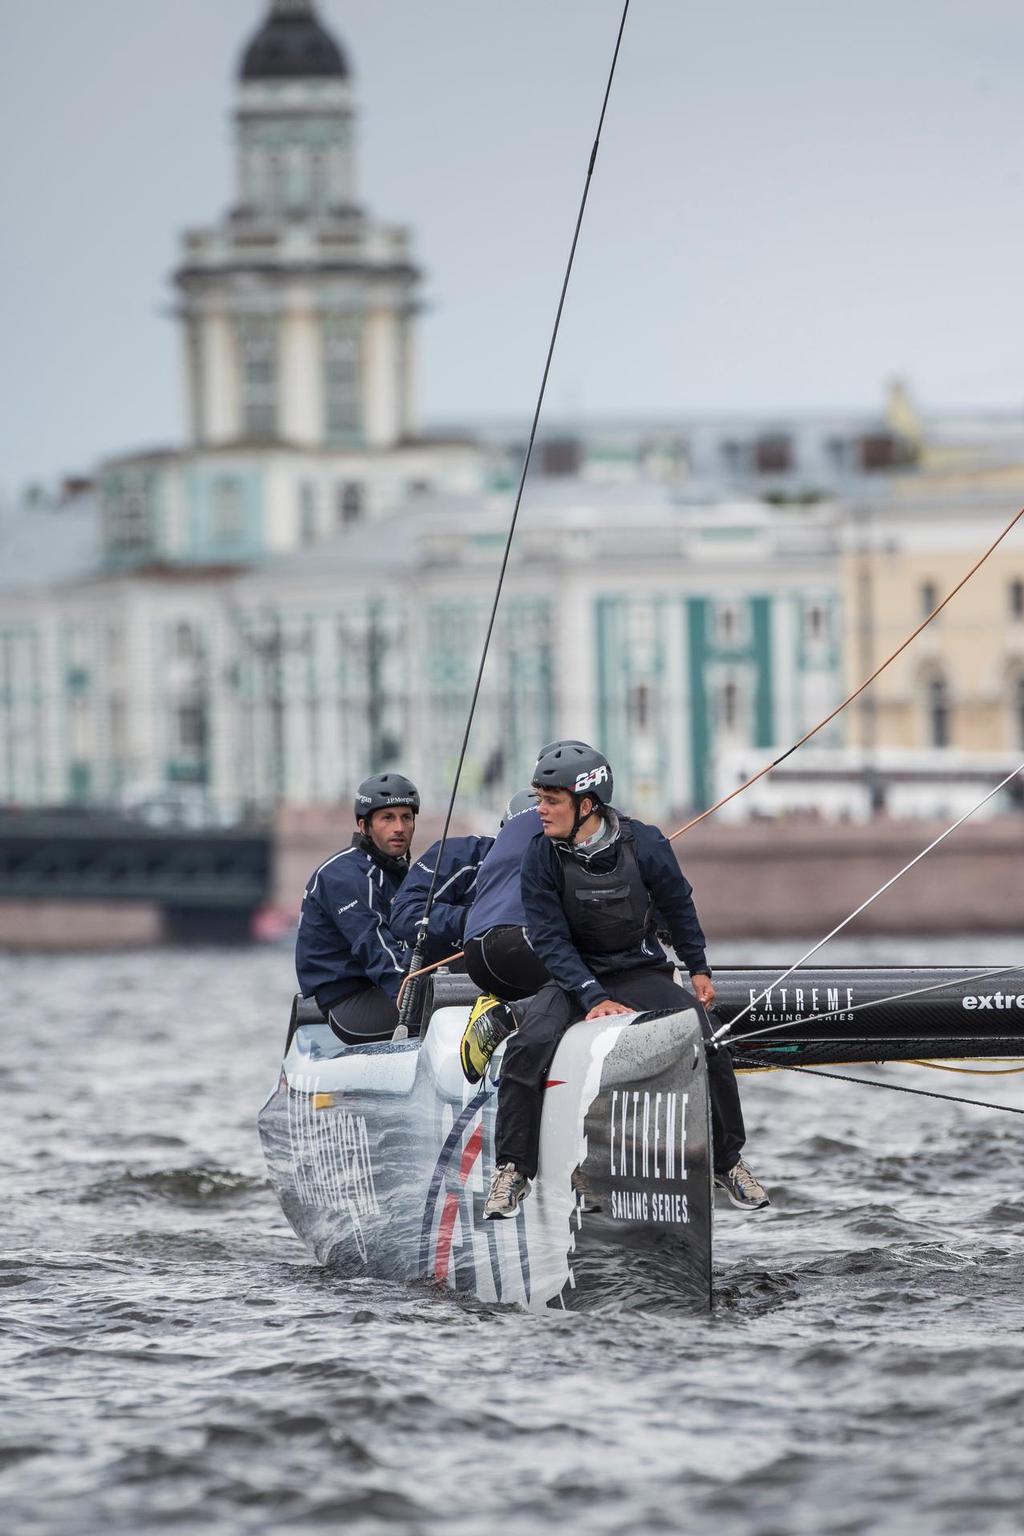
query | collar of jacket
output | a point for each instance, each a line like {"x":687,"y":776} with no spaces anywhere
{"x":611,"y":819}
{"x":385,"y":861}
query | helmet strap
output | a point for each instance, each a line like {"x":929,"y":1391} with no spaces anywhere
{"x":579,"y":818}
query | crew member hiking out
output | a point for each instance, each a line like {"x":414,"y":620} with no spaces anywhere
{"x":498,"y":954}
{"x":346,"y":954}
{"x":590,"y":889}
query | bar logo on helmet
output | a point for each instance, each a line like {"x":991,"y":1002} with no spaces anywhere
{"x":592,"y":779}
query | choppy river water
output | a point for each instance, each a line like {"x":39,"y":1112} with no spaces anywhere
{"x":170,"y":1360}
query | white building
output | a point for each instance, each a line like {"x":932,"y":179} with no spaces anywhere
{"x":297,"y":314}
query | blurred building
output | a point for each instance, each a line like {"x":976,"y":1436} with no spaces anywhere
{"x":665,"y":631}
{"x":960,"y":686}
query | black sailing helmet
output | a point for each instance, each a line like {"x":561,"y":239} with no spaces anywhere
{"x":522,"y":800}
{"x":553,"y":746}
{"x":383,"y":789}
{"x":580,"y":769}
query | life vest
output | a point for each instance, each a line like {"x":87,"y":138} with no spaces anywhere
{"x":609,"y":913}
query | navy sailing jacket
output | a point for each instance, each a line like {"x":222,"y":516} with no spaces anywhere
{"x":456,"y":886}
{"x":498,"y":902}
{"x":345,"y":939}
{"x":548,"y":928}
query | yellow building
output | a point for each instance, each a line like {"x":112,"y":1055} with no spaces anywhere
{"x":960,"y":684}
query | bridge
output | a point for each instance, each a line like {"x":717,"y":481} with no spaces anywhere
{"x":206,"y":882}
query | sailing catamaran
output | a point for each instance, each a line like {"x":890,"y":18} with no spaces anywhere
{"x":381,"y":1154}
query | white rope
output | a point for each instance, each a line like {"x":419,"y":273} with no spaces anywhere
{"x":727,"y":1028}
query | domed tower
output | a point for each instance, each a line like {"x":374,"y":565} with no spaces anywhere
{"x":298,"y":310}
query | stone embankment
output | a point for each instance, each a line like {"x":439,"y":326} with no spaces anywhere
{"x":787,"y":879}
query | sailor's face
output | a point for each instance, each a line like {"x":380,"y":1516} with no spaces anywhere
{"x":557,"y":812}
{"x":391,"y":830}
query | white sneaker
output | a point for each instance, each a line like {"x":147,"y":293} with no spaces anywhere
{"x":742,"y":1188}
{"x":509,"y":1188}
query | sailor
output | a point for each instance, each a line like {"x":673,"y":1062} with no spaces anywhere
{"x":346,"y":954}
{"x":498,"y":953}
{"x":454,"y":891}
{"x":590,"y":887}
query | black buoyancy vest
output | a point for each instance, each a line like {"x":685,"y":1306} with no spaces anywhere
{"x":609,"y":913}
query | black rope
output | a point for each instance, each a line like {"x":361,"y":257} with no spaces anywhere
{"x":867,"y":1082}
{"x":423,"y":928}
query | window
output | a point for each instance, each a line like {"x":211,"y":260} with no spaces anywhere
{"x":730,"y":623}
{"x":733,"y":456}
{"x":275,"y":181}
{"x":929,"y":598}
{"x":186,"y":642}
{"x":342,"y":379}
{"x":258,"y":342}
{"x":307,"y":513}
{"x":1017,"y":599}
{"x":349,"y":502}
{"x":814,"y":622}
{"x":638,"y":707}
{"x":938,"y":712}
{"x":128,"y":519}
{"x":773,"y":454}
{"x":117,"y":723}
{"x":191,"y":718}
{"x":115,"y":645}
{"x":317,"y":182}
{"x":228,"y":520}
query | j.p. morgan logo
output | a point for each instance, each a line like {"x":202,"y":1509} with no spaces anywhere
{"x":1000,"y":1000}
{"x":647,"y":1147}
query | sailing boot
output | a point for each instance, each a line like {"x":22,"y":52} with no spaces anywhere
{"x":509,"y":1188}
{"x":742,"y":1188}
{"x":490,"y":1022}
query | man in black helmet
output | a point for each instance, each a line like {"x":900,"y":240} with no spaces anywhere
{"x":590,"y":885}
{"x":498,"y":954}
{"x":346,"y":955}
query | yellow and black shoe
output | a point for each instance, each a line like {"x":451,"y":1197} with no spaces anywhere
{"x":490,"y":1022}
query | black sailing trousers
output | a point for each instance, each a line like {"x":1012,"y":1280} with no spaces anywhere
{"x":502,"y":962}
{"x":531,"y":1050}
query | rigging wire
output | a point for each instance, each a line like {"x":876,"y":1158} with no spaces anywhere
{"x":726,"y":1029}
{"x":710,"y":811}
{"x":416,"y":962}
{"x":923,"y":1093}
{"x":876,"y":1002}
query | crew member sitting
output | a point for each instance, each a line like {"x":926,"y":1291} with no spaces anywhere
{"x":346,"y":955}
{"x":454,"y":890}
{"x":590,"y":887}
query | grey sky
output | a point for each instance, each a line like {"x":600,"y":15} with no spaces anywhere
{"x":794,"y":201}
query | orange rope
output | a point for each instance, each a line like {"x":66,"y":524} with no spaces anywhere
{"x":857,"y":692}
{"x":424,"y":970}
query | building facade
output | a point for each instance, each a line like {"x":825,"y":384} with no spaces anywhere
{"x":666,"y":632}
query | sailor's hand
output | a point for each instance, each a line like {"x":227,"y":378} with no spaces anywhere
{"x":602,"y":1010}
{"x":703,"y":989}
